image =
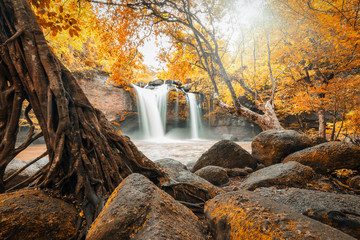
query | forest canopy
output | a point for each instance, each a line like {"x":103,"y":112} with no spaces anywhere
{"x":299,"y":56}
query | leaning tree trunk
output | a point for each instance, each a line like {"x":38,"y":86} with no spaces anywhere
{"x":87,"y":157}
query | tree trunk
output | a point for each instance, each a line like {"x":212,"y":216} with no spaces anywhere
{"x":322,"y":124}
{"x":87,"y":157}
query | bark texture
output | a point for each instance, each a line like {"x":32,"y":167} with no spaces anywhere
{"x":87,"y":157}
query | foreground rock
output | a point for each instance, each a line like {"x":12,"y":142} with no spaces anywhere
{"x":31,"y":214}
{"x":137,"y":209}
{"x":247,"y":215}
{"x":16,"y":164}
{"x":226,"y":154}
{"x":273,"y":146}
{"x":290,"y":174}
{"x":203,"y":190}
{"x":214,"y":174}
{"x":328,"y":157}
{"x":236,"y":172}
{"x":341,"y":211}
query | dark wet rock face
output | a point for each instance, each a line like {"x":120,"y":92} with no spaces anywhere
{"x":214,"y":174}
{"x":291,"y":174}
{"x":137,"y":209}
{"x":31,"y":214}
{"x":273,"y":146}
{"x":156,"y":82}
{"x":239,"y":172}
{"x":341,"y":211}
{"x":247,"y":215}
{"x":354,"y":182}
{"x":226,"y":154}
{"x":328,"y":157}
{"x":183,"y":178}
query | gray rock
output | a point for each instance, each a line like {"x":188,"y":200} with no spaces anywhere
{"x":273,"y":146}
{"x":328,"y":157}
{"x":137,"y":209}
{"x":247,"y":215}
{"x":190,"y":165}
{"x":214,"y":174}
{"x":226,"y":154}
{"x":187,"y":87}
{"x":175,"y":82}
{"x":341,"y":211}
{"x":156,"y":82}
{"x":183,"y":178}
{"x":16,"y":164}
{"x":291,"y":174}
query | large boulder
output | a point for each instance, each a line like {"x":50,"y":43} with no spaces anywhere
{"x":247,"y":215}
{"x":328,"y":156}
{"x":273,"y":146}
{"x":137,"y":209}
{"x":184,"y":179}
{"x":226,"y":154}
{"x":31,"y":214}
{"x":214,"y":174}
{"x":290,"y":174}
{"x":341,"y":211}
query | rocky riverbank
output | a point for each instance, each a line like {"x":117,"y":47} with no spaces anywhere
{"x":289,"y":187}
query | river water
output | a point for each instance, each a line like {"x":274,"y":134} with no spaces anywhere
{"x":183,"y":151}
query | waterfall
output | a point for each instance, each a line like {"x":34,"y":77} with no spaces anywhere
{"x":177,"y":108}
{"x":195,"y":116}
{"x":152,"y":111}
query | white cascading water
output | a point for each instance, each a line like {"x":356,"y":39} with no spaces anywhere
{"x":195,"y":116}
{"x":152,"y":111}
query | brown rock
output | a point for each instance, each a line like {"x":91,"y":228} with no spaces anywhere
{"x":226,"y":154}
{"x":273,"y":146}
{"x":201,"y":190}
{"x":247,"y":215}
{"x":236,"y":172}
{"x":31,"y":214}
{"x":328,"y":156}
{"x":290,"y":174}
{"x":214,"y":174}
{"x":137,"y":209}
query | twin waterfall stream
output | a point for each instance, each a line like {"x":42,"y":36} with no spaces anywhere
{"x":152,"y":109}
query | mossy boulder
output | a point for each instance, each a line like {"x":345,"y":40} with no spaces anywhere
{"x":32,"y":214}
{"x":137,"y":209}
{"x":226,"y":154}
{"x":328,"y":157}
{"x":272,"y":146}
{"x":247,"y":215}
{"x":341,"y":211}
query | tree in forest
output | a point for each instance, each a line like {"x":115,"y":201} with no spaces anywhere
{"x":87,"y":157}
{"x":320,"y":39}
{"x":197,"y":24}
